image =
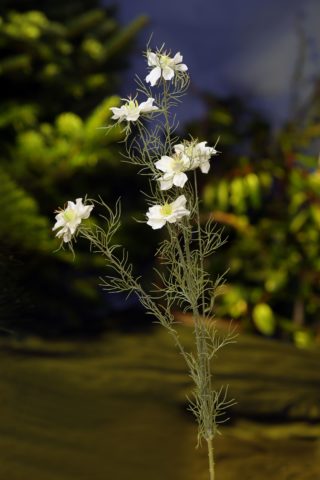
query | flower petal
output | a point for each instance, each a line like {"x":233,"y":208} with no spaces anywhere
{"x":205,"y":167}
{"x":132,"y":115}
{"x":154,"y":210}
{"x":179,"y":148}
{"x":117,"y":112}
{"x":168,"y":73}
{"x":182,"y":67}
{"x":156,"y":223}
{"x":148,"y":106}
{"x":153,"y":60}
{"x":180,"y":179}
{"x":177,"y":58}
{"x":179,"y":202}
{"x":153,"y":76}
{"x":164,"y":164}
{"x":166,"y":183}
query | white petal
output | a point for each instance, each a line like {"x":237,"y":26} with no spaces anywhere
{"x":180,"y":179}
{"x":117,"y":112}
{"x":86,"y":210}
{"x":59,"y":223}
{"x":153,"y":76}
{"x":179,"y":148}
{"x":183,"y":213}
{"x":172,"y":219}
{"x":164,"y":164}
{"x":153,"y":60}
{"x":182,"y":67}
{"x":71,"y":205}
{"x":147,"y":106}
{"x":168,"y":73}
{"x":67,"y":236}
{"x":132,"y":116}
{"x":179,"y":202}
{"x":178,"y":58}
{"x":187,"y":162}
{"x":73,"y":227}
{"x":205,"y":167}
{"x":155,"y":210}
{"x":155,"y":224}
{"x":166,"y":183}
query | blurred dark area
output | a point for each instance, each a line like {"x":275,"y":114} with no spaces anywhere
{"x":60,"y":69}
{"x":62,"y":65}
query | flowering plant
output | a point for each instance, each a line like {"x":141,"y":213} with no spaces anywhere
{"x":183,"y":281}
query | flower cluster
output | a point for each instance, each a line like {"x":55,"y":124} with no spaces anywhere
{"x":69,"y":219}
{"x":162,"y":65}
{"x":158,"y":215}
{"x":132,"y":110}
{"x":184,"y":283}
{"x":187,"y":156}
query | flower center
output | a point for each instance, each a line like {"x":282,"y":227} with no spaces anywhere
{"x":69,"y":215}
{"x":132,"y":104}
{"x":165,"y":61}
{"x":166,"y":210}
{"x":177,"y":164}
{"x":190,"y":150}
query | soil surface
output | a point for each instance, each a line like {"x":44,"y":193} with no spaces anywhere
{"x":115,"y":409}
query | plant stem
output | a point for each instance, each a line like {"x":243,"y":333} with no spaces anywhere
{"x":211,"y":459}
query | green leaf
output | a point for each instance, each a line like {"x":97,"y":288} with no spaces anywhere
{"x":264,"y":319}
{"x":21,"y":224}
{"x":223,"y":195}
{"x":238,"y":194}
{"x":253,"y":189}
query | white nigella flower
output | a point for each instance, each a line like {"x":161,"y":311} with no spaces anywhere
{"x":173,"y":168}
{"x":164,"y":66}
{"x":70,"y":218}
{"x":132,"y":110}
{"x":158,"y":215}
{"x":198,"y":153}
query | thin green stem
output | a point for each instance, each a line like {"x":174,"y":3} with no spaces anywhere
{"x":211,"y":459}
{"x":207,"y":366}
{"x":166,"y":95}
{"x":200,"y":244}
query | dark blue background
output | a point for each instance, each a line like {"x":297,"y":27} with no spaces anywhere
{"x":246,"y":47}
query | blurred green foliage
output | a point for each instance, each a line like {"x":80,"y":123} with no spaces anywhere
{"x":58,"y":69}
{"x":265,"y":189}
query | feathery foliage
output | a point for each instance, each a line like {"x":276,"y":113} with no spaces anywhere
{"x":182,"y":281}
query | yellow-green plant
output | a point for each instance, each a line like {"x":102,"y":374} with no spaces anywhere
{"x":266,"y":194}
{"x":59,"y":68}
{"x":172,"y":168}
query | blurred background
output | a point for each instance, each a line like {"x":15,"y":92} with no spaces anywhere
{"x":255,"y":85}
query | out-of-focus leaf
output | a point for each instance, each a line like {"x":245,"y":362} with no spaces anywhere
{"x":223,"y":195}
{"x":264,"y":319}
{"x":298,"y":221}
{"x":303,"y":338}
{"x":253,"y":189}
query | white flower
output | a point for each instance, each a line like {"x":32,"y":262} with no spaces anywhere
{"x":70,"y":218}
{"x":164,"y":66}
{"x":173,"y":168}
{"x":132,"y":110}
{"x":158,"y":215}
{"x":198,"y":153}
